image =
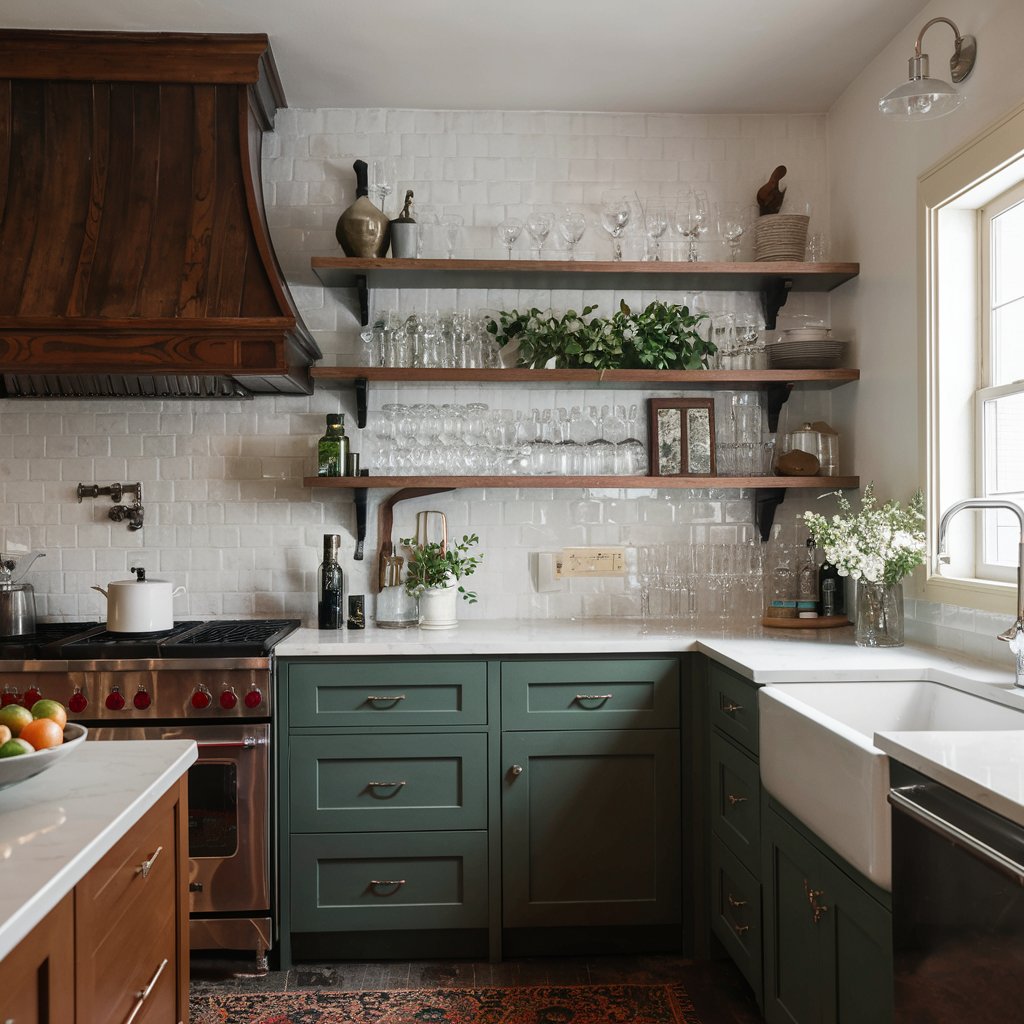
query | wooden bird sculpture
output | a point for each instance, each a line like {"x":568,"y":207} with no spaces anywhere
{"x":769,"y":195}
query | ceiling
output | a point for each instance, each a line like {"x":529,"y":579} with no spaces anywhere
{"x":708,"y":56}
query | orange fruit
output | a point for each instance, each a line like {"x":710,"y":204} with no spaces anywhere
{"x":15,"y":717}
{"x":52,"y":709}
{"x":43,"y":733}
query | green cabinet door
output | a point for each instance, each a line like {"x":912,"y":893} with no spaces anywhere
{"x":590,"y":828}
{"x":827,"y":942}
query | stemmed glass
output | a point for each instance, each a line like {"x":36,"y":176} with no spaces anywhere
{"x":615,"y":212}
{"x":382,"y":179}
{"x":508,"y":231}
{"x":571,"y":226}
{"x":538,"y":225}
{"x":733,"y":221}
{"x":692,"y":220}
{"x":452,"y":224}
{"x":655,"y":223}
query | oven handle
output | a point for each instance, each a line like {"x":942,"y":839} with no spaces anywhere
{"x":248,"y":743}
{"x":958,"y":837}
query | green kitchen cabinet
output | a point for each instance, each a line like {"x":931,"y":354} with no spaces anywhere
{"x":590,"y":828}
{"x":827,"y":940}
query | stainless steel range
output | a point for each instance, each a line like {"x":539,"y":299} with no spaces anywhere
{"x":206,"y":681}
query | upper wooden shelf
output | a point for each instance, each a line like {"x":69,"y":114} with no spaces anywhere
{"x":821,"y":483}
{"x":345,"y":272}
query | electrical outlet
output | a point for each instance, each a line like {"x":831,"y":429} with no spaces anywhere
{"x":543,"y":569}
{"x":604,"y":561}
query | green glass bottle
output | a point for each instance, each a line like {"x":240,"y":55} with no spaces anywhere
{"x":332,"y":448}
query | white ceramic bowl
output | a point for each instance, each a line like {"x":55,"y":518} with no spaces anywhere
{"x":24,"y":766}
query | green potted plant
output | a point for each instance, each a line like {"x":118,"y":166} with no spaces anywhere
{"x":663,"y":336}
{"x":433,"y":574}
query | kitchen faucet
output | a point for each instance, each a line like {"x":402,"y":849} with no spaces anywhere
{"x":1015,"y":634}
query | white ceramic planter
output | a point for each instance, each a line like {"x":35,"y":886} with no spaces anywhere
{"x":437,"y":608}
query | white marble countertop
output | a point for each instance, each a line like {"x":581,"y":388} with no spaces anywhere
{"x":57,"y":825}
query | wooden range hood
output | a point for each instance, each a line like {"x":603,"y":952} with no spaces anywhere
{"x":134,"y":252}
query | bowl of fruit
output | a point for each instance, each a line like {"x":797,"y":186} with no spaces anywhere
{"x":34,"y":739}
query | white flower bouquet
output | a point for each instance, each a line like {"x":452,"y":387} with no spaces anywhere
{"x":877,"y":545}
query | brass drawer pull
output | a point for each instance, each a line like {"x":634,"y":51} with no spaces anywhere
{"x":394,"y":884}
{"x":735,"y":903}
{"x":145,"y":867}
{"x":141,"y":997}
{"x":602,"y":697}
{"x":818,"y":910}
{"x":734,"y":799}
{"x":741,"y":929}
{"x":730,"y":709}
{"x":375,"y":700}
{"x":386,"y":785}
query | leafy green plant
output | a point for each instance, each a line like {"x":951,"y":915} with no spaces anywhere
{"x":663,"y":336}
{"x":430,"y":565}
{"x":543,"y":336}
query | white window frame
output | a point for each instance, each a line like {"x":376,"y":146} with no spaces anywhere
{"x":949,"y":198}
{"x":987,"y":389}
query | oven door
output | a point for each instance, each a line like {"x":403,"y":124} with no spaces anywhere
{"x":228,"y":812}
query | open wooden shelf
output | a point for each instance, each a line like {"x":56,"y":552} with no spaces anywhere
{"x":821,"y":483}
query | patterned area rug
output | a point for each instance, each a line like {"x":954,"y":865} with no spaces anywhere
{"x":565,"y":1004}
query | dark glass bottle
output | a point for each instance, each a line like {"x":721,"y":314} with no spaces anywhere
{"x":831,"y":591}
{"x":332,"y":449}
{"x":331,"y":586}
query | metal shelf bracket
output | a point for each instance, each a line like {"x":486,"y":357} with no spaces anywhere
{"x":773,"y":298}
{"x":766,"y":501}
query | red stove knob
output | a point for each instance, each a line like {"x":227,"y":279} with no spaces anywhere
{"x":142,"y":699}
{"x":228,"y":699}
{"x":201,"y":699}
{"x":115,"y":700}
{"x":254,"y":698}
{"x":77,"y":702}
{"x":9,"y":696}
{"x":31,"y":695}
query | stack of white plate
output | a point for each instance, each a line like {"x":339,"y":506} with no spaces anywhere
{"x":805,"y":348}
{"x":780,"y":236}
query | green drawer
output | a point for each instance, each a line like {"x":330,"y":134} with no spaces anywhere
{"x":734,"y":706}
{"x":395,"y":881}
{"x":582,"y":693}
{"x":736,"y":801}
{"x":386,"y":783}
{"x":736,"y":912}
{"x":364,"y":694}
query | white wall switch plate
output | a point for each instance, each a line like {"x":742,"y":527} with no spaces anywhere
{"x":543,"y":566}
{"x":591,"y":562}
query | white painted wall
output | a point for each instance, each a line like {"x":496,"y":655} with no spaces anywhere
{"x":873,"y":170}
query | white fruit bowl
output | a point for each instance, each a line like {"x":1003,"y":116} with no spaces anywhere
{"x":24,"y":766}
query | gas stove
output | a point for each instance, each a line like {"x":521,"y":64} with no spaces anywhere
{"x":196,"y":670}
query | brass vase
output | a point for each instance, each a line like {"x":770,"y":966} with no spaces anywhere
{"x":362,"y":229}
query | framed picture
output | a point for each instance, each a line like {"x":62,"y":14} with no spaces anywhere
{"x":682,"y":436}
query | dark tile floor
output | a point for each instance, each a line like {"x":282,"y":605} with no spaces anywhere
{"x":720,"y":995}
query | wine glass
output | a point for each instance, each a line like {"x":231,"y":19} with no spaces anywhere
{"x":655,"y":223}
{"x":508,"y":231}
{"x":382,"y":179}
{"x":571,"y":226}
{"x":733,"y":221}
{"x":452,"y":224}
{"x":692,"y":220}
{"x":538,"y":225}
{"x":615,"y":212}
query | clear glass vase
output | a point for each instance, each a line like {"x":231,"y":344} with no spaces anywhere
{"x":879,"y":614}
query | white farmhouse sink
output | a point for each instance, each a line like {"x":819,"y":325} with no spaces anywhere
{"x":819,"y":762}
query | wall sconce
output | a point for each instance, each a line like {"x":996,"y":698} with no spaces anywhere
{"x":923,"y":97}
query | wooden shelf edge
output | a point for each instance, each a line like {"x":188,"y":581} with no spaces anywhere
{"x":819,"y":483}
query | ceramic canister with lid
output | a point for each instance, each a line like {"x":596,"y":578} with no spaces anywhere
{"x":140,"y":605}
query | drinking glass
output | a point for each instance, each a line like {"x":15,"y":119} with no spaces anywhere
{"x":509,"y":231}
{"x":655,"y":223}
{"x":452,"y":225}
{"x":615,"y":213}
{"x":691,"y":220}
{"x":382,"y":179}
{"x":733,"y":221}
{"x":571,"y":226}
{"x":538,"y":226}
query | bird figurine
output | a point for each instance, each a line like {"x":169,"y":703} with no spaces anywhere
{"x":769,"y":195}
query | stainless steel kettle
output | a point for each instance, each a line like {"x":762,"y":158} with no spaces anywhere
{"x":17,"y":600}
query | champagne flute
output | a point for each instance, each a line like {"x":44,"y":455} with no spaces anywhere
{"x":452,"y":224}
{"x":571,"y":226}
{"x":382,"y":179}
{"x":655,"y":223}
{"x":538,"y":225}
{"x":615,"y":212}
{"x":509,"y":231}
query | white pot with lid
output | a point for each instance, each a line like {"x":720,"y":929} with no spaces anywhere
{"x":140,"y":605}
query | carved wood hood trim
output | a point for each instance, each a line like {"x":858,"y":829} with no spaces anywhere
{"x":132,"y":224}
